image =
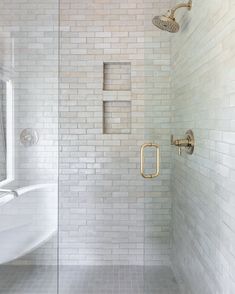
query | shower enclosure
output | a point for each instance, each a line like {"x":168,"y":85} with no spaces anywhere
{"x":83,"y":86}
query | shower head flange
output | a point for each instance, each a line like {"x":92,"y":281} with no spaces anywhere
{"x":180,"y":5}
{"x":190,"y":4}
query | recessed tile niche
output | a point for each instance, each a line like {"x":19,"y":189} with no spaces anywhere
{"x":117,"y":117}
{"x":117,"y":76}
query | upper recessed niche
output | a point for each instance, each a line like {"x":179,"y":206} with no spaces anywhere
{"x":117,"y":76}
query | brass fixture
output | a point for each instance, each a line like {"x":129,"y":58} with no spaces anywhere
{"x":167,"y":21}
{"x":187,"y":142}
{"x":156,"y":174}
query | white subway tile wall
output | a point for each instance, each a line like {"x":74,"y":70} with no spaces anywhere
{"x":203,"y":61}
{"x":103,"y":199}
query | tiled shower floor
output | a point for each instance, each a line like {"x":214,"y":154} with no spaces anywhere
{"x":87,"y":280}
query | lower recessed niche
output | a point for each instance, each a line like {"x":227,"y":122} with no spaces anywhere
{"x":117,"y":117}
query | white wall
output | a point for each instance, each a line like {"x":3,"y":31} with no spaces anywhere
{"x":203,"y":79}
{"x":106,"y":207}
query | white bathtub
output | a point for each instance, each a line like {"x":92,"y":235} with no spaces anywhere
{"x":28,"y":221}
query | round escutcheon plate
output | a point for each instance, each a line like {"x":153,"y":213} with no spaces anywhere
{"x":29,"y":137}
{"x":190,"y":136}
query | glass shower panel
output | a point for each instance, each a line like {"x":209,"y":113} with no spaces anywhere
{"x":28,"y":146}
{"x":157,"y":118}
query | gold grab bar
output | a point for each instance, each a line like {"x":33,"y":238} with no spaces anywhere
{"x":150,"y":176}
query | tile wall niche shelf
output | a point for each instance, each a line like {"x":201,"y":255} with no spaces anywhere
{"x":117,"y":76}
{"x":116,"y":117}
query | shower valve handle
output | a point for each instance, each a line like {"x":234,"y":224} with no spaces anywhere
{"x":176,"y":143}
{"x":187,"y":142}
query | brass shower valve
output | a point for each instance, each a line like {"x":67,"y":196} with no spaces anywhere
{"x":187,"y":142}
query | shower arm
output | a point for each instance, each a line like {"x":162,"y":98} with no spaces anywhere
{"x":181,"y":5}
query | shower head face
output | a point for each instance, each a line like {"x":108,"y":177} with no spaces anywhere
{"x":166,"y":23}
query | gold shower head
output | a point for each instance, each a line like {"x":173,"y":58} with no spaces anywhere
{"x":167,"y":22}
